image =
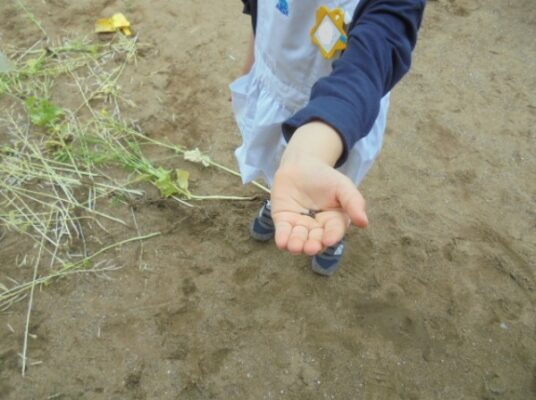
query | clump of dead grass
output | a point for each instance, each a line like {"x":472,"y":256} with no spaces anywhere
{"x":53,"y":158}
{"x":52,"y":163}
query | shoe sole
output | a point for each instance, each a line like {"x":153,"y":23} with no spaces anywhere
{"x":324,"y":271}
{"x":260,"y":236}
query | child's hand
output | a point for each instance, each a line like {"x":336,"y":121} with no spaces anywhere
{"x":306,"y":182}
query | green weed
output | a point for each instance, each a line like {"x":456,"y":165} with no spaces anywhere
{"x":43,"y":112}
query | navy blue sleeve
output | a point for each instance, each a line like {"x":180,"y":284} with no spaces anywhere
{"x":250,"y":8}
{"x":382,"y":37}
{"x":247,"y":7}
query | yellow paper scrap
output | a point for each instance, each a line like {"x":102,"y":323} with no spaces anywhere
{"x":120,"y":21}
{"x":117,"y":22}
{"x":104,"y":26}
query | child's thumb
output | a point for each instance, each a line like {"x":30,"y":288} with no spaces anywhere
{"x":352,"y":202}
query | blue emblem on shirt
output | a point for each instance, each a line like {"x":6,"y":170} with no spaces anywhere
{"x":282,"y":5}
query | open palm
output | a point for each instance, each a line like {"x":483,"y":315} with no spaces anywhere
{"x":313,"y":185}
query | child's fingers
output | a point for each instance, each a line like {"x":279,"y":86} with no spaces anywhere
{"x":282,"y":234}
{"x":313,"y":245}
{"x":297,"y":239}
{"x":292,"y":230}
{"x":352,"y":202}
{"x":334,"y":230}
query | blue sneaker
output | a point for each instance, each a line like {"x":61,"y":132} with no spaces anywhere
{"x":262,"y":228}
{"x":329,"y":261}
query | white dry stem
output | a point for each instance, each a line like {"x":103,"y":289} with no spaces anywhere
{"x":183,"y":202}
{"x":36,"y":240}
{"x":32,"y":17}
{"x":42,"y":233}
{"x":29,"y":50}
{"x":140,"y":256}
{"x":30,"y":302}
{"x":26,"y":193}
{"x":8,"y":296}
{"x":205,"y":160}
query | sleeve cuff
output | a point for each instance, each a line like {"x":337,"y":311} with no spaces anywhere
{"x":332,"y":111}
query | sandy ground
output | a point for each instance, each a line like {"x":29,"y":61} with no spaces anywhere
{"x":436,"y":299}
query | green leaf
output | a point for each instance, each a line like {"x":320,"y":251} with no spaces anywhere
{"x":164,"y":182}
{"x":182,"y":179}
{"x":35,"y":65}
{"x":43,"y":112}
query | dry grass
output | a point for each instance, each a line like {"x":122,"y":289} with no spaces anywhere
{"x":54,"y":159}
{"x":53,"y":163}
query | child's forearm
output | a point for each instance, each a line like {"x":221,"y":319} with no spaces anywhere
{"x":314,"y":140}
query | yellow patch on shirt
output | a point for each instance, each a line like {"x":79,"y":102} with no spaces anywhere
{"x":329,"y":32}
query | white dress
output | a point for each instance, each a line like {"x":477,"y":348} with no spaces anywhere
{"x":287,"y":64}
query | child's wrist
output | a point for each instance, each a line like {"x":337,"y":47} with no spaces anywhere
{"x":315,"y":140}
